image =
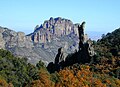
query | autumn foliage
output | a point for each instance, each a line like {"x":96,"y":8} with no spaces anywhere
{"x":3,"y":83}
{"x":44,"y":80}
{"x":76,"y":76}
{"x":83,"y":77}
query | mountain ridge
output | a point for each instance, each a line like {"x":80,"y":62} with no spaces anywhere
{"x":42,"y":44}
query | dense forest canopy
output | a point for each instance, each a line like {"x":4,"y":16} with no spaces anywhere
{"x":16,"y":70}
{"x":112,"y":42}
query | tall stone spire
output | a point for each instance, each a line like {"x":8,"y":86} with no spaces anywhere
{"x":81,"y":35}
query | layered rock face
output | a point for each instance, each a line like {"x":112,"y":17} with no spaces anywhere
{"x":17,"y":42}
{"x":54,"y":27}
{"x":10,"y":38}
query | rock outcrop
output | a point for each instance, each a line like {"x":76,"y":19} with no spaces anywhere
{"x":11,"y":39}
{"x":85,"y":53}
{"x":53,"y":27}
{"x":86,"y":50}
{"x":16,"y":42}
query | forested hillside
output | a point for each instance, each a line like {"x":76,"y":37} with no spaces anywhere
{"x":108,"y":52}
{"x":112,"y":42}
{"x":104,"y":71}
{"x":15,"y":71}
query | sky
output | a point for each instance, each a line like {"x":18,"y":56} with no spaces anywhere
{"x":24,"y":15}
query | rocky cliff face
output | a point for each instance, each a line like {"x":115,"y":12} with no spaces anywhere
{"x":44,"y":42}
{"x":10,"y":38}
{"x":53,"y":27}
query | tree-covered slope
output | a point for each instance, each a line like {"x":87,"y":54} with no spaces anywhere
{"x":15,"y":70}
{"x":112,"y":42}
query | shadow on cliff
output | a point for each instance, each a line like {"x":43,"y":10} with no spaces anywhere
{"x":85,"y":54}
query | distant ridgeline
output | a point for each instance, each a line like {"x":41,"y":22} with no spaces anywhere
{"x":85,"y":53}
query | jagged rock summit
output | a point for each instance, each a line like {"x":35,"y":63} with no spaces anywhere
{"x":54,"y":27}
{"x":43,"y":43}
